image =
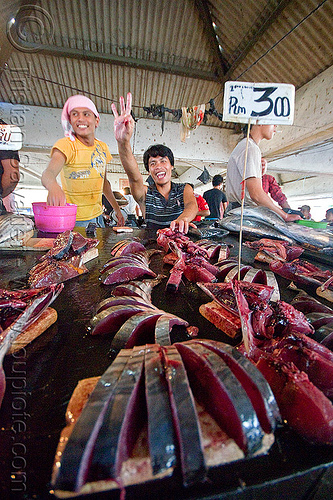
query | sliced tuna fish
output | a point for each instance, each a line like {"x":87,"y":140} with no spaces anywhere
{"x":122,"y":421}
{"x":122,"y":301}
{"x":76,"y":457}
{"x":161,"y":435}
{"x":137,"y":330}
{"x":164,"y":326}
{"x":185,"y":418}
{"x":255,"y":384}
{"x":126,"y":272}
{"x":111,"y":319}
{"x":222,"y":395}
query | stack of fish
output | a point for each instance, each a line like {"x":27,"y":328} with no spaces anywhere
{"x":132,"y":318}
{"x":261,"y":222}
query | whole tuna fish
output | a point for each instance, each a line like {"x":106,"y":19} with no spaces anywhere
{"x":307,"y":236}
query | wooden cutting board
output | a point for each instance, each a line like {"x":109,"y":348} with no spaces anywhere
{"x":30,"y":243}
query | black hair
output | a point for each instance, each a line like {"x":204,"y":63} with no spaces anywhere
{"x":157,"y":150}
{"x":127,"y":190}
{"x":329,"y":211}
{"x":217,"y":180}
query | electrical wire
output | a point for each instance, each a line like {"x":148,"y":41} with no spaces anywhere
{"x":276,"y":43}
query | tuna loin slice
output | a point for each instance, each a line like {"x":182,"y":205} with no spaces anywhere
{"x":126,"y":272}
{"x":75,"y":459}
{"x":185,"y":418}
{"x":110,"y":320}
{"x":164,"y":326}
{"x":255,"y":384}
{"x":162,"y":439}
{"x":137,"y":330}
{"x":222,"y":395}
{"x":122,"y":421}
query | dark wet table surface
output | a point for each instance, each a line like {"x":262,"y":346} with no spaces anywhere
{"x":42,"y":377}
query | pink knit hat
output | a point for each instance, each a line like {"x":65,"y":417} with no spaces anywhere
{"x":75,"y":101}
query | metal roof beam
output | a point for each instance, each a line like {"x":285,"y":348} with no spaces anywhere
{"x":161,"y":67}
{"x":263,"y":27}
{"x":203,"y":8}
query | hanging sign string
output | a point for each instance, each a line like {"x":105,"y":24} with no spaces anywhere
{"x":243,"y":199}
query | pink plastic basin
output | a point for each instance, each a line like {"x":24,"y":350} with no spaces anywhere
{"x":54,"y":219}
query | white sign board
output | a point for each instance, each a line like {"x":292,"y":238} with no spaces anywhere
{"x":11,"y":138}
{"x":263,"y":103}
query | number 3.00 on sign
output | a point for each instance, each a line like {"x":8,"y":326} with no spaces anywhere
{"x":263,"y":103}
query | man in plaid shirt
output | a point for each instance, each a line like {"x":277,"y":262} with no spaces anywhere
{"x":270,"y":186}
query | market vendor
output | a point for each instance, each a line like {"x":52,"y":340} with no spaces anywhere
{"x":271,"y":187}
{"x":9,"y":174}
{"x":254,"y":193}
{"x":163,"y":203}
{"x":81,"y":161}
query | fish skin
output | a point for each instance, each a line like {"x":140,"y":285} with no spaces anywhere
{"x":164,"y":326}
{"x":134,"y":328}
{"x":253,"y":228}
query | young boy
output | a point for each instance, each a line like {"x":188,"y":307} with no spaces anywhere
{"x":163,"y":203}
{"x":81,"y":160}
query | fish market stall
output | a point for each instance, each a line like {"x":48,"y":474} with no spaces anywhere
{"x":42,"y":377}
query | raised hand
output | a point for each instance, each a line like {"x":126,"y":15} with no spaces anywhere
{"x":123,"y":123}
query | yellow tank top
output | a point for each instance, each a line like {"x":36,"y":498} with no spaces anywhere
{"x":82,"y":176}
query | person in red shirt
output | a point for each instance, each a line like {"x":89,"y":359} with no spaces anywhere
{"x":270,"y":186}
{"x":203,"y":207}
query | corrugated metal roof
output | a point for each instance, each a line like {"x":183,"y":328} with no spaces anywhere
{"x":164,"y":52}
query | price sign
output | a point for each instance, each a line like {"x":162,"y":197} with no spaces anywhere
{"x":11,"y":138}
{"x":263,"y":103}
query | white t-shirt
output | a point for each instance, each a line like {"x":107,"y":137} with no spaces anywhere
{"x":129,"y":209}
{"x":236,"y":167}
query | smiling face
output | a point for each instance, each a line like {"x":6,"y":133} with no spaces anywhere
{"x":160,"y":169}
{"x":84,"y":122}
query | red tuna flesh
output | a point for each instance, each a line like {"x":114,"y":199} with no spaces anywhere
{"x":306,"y":408}
{"x":111,"y":319}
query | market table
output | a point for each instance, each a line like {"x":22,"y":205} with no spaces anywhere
{"x":42,"y":377}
